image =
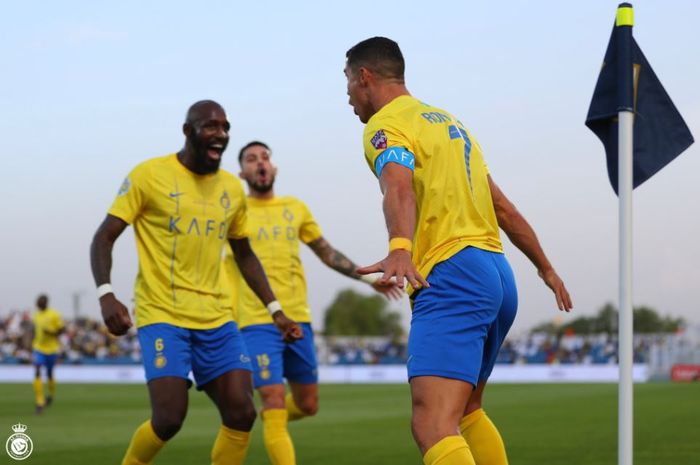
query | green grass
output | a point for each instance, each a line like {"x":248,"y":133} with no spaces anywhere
{"x":369,"y":424}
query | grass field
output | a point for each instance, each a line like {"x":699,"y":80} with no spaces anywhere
{"x":369,"y":424}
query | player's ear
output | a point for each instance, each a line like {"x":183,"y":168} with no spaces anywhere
{"x":365,"y":75}
{"x":187,"y":129}
{"x":274,"y":170}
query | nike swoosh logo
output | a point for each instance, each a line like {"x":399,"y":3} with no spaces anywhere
{"x":176,"y":194}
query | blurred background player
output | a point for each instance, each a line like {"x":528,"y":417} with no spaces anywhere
{"x":184,"y":209}
{"x":47,"y":327}
{"x":443,"y":213}
{"x":276,"y":225}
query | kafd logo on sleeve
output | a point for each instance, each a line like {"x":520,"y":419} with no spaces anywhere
{"x":19,"y":446}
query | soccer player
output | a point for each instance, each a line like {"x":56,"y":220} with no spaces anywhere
{"x":47,"y":327}
{"x":443,"y":213}
{"x":277,"y":224}
{"x":184,"y":209}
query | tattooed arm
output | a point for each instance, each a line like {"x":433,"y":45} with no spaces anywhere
{"x":334,"y":258}
{"x":339,"y":262}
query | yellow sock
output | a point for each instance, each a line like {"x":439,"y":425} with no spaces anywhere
{"x":276,"y":437}
{"x":52,"y":387}
{"x":483,"y":438}
{"x":450,"y":450}
{"x":230,"y":447}
{"x":38,"y":392}
{"x":294,"y":412}
{"x":144,"y":446}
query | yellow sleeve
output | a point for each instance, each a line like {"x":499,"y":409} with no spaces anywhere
{"x":57,"y":321}
{"x":309,"y":230}
{"x":475,"y":143}
{"x":385,"y":142}
{"x":132,"y":195}
{"x":239,"y":225}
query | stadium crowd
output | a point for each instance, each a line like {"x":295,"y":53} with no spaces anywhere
{"x":86,"y":341}
{"x":83,"y":341}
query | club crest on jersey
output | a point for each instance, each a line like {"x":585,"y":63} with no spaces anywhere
{"x":379,"y":140}
{"x":225,"y":201}
{"x":160,"y":361}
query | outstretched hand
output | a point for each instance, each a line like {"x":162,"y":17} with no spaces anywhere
{"x":390,"y":289}
{"x":291,"y":331}
{"x":397,"y":265}
{"x":554,"y":282}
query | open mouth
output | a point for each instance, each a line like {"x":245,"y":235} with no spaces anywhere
{"x":262,"y":175}
{"x":215,"y":151}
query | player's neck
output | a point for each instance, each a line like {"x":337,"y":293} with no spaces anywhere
{"x":387,"y":93}
{"x":186,"y":158}
{"x":268,"y":195}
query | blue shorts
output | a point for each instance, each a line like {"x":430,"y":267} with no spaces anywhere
{"x":460,"y":321}
{"x":170,"y":350}
{"x":47,"y":360}
{"x":274,"y":359}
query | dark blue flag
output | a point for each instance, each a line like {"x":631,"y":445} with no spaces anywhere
{"x":660,"y":134}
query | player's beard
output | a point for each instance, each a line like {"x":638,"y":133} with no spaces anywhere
{"x":203,"y":164}
{"x":261,"y":188}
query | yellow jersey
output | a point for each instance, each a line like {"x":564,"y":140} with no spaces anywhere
{"x":181,"y":221}
{"x":276,"y":227}
{"x":229,"y":274}
{"x":453,"y":198}
{"x":45,"y":321}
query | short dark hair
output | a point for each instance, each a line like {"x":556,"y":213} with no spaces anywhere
{"x":249,"y":145}
{"x":378,"y":54}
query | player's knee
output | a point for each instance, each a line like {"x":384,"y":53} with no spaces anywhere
{"x":428,"y":426}
{"x":167,"y":424}
{"x":241,"y":418}
{"x":309,"y":406}
{"x":421,"y":434}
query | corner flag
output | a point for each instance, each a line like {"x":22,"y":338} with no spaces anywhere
{"x":642,"y":132}
{"x":660,"y":134}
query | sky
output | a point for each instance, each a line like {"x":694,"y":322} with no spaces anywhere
{"x":90,"y":89}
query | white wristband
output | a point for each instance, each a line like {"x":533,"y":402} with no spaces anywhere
{"x":104,"y":289}
{"x":273,"y":307}
{"x":369,"y":278}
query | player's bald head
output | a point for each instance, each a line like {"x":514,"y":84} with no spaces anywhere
{"x":42,"y":301}
{"x":201,"y":110}
{"x":380,"y":55}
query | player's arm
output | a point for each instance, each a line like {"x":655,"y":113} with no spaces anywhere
{"x":524,"y":238}
{"x":55,"y":333}
{"x":256,"y":279}
{"x":336,"y":260}
{"x":399,"y":204}
{"x":114,"y":313}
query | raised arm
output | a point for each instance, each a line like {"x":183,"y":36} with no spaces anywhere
{"x":336,"y":260}
{"x":114,"y":313}
{"x":399,"y":205}
{"x":524,"y":238}
{"x":255,"y":277}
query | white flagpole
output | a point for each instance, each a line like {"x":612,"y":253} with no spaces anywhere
{"x":625,"y":326}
